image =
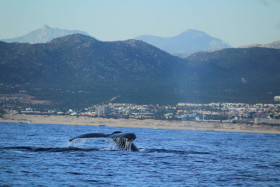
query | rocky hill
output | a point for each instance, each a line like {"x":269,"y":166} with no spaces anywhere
{"x":95,"y":71}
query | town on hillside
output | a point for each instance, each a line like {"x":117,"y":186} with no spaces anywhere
{"x":211,"y":112}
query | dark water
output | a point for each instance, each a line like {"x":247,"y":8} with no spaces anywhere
{"x":38,"y":155}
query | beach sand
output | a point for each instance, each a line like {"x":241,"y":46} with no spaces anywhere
{"x":147,"y":123}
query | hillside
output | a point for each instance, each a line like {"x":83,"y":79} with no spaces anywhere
{"x":243,"y":75}
{"x":92,"y":70}
{"x":188,"y":42}
{"x":80,"y":58}
{"x":78,"y":71}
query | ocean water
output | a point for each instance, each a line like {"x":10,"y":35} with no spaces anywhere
{"x":39,"y":155}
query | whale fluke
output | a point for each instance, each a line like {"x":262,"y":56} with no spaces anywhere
{"x":90,"y":135}
{"x":123,"y":140}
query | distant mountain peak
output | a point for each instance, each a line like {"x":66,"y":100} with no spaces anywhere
{"x":46,"y":27}
{"x":192,"y":31}
{"x":189,"y":41}
{"x":43,"y":35}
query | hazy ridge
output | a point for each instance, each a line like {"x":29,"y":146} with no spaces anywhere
{"x":43,"y":35}
{"x":188,"y":42}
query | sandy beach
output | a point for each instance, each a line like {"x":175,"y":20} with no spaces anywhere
{"x":148,"y":123}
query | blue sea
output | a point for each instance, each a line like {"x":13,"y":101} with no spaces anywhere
{"x":39,"y":155}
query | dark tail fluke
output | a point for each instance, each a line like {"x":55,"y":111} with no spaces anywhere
{"x":121,"y":139}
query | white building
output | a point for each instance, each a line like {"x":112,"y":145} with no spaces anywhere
{"x":102,"y":110}
{"x":276,"y":98}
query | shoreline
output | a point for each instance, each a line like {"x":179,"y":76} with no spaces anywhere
{"x":147,"y":123}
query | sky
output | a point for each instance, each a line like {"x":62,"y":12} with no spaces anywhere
{"x":238,"y":22}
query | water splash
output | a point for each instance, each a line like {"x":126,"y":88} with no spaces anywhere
{"x":101,"y":144}
{"x":89,"y":143}
{"x":123,"y":144}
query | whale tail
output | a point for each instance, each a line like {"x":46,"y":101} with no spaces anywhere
{"x":123,"y":140}
{"x":90,"y":135}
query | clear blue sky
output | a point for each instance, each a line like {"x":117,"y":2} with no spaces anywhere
{"x":238,"y":22}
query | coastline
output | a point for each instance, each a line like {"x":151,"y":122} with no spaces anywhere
{"x":147,"y":123}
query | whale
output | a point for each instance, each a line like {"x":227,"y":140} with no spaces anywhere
{"x":122,"y":140}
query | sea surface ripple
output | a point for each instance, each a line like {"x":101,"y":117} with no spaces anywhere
{"x":39,"y":155}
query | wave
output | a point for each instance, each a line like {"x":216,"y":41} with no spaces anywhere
{"x":174,"y":151}
{"x":48,"y":149}
{"x":71,"y":149}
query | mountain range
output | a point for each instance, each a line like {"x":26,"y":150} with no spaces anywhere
{"x":188,"y":42}
{"x":43,"y":35}
{"x":78,"y":70}
{"x":182,"y":45}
